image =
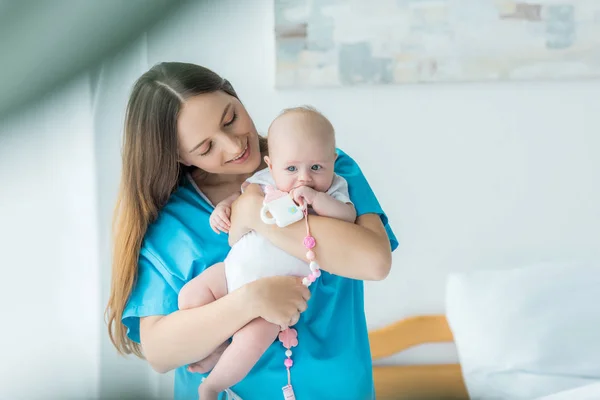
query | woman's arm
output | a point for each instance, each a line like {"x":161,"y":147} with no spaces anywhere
{"x":359,"y":251}
{"x":187,"y":336}
{"x":182,"y":337}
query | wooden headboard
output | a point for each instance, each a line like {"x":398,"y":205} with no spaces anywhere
{"x":415,"y":382}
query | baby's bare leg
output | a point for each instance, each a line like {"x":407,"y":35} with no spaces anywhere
{"x":248,"y":345}
{"x":210,"y":285}
{"x":203,"y":289}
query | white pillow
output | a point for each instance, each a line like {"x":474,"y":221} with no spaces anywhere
{"x":527,"y":332}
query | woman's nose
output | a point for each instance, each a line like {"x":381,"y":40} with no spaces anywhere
{"x":233,"y":145}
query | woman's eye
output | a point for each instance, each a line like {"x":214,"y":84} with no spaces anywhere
{"x":207,"y":150}
{"x":315,"y":167}
{"x":291,"y":168}
{"x":232,"y":120}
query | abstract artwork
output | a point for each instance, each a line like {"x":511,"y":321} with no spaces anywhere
{"x":353,"y":42}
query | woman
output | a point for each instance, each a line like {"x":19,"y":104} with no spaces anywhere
{"x":188,"y":144}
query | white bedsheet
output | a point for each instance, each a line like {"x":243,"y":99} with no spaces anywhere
{"x":586,"y":392}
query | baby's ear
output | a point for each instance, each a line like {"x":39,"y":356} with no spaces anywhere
{"x":268,"y":161}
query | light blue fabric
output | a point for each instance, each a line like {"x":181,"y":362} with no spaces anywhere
{"x":333,"y":360}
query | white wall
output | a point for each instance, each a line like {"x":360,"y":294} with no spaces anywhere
{"x":49,"y":292}
{"x":472,"y":175}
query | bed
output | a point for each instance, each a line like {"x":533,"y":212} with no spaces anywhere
{"x":525,"y":333}
{"x":415,"y":381}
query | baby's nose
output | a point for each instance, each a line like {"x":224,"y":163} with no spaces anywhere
{"x":305,"y":178}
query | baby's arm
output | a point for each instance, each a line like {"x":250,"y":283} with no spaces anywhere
{"x":219,"y":219}
{"x":324,"y":204}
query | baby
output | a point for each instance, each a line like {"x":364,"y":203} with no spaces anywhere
{"x":301,"y":161}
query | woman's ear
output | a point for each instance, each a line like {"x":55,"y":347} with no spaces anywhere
{"x":268,"y":161}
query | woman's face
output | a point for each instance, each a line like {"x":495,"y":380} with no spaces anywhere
{"x":217,"y":135}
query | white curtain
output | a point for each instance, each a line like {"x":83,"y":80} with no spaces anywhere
{"x":49,"y":294}
{"x":59,"y":168}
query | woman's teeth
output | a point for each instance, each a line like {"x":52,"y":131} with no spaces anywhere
{"x":241,"y":154}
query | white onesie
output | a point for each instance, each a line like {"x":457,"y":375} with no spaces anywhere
{"x":254,"y":257}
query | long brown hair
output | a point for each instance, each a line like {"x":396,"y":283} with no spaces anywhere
{"x":151,"y":172}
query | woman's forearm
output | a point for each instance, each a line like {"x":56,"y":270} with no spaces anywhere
{"x":187,"y":336}
{"x":359,"y":251}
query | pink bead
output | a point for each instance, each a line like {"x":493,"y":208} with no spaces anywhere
{"x":309,"y":242}
{"x":312,"y":278}
{"x":310,"y":255}
{"x":288,"y":363}
{"x":317,"y":273}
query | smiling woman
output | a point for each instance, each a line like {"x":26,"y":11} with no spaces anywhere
{"x":189,"y":144}
{"x":227,"y":139}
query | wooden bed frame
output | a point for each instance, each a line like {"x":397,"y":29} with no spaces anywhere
{"x":415,"y":382}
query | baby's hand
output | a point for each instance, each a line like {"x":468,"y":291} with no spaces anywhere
{"x":219,"y":219}
{"x":304,"y":195}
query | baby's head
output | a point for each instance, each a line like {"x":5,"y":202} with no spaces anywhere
{"x":301,"y":150}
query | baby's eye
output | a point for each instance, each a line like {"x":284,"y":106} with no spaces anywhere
{"x":291,"y":168}
{"x":316,"y":167}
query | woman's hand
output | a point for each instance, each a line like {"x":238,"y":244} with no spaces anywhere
{"x":245,"y":212}
{"x":278,"y":299}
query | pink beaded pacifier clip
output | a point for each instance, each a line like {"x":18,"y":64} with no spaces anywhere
{"x":289,"y":337}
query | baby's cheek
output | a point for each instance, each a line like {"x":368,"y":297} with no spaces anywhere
{"x":283,"y":182}
{"x":323,"y":183}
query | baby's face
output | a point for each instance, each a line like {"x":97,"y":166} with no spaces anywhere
{"x":301,"y":156}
